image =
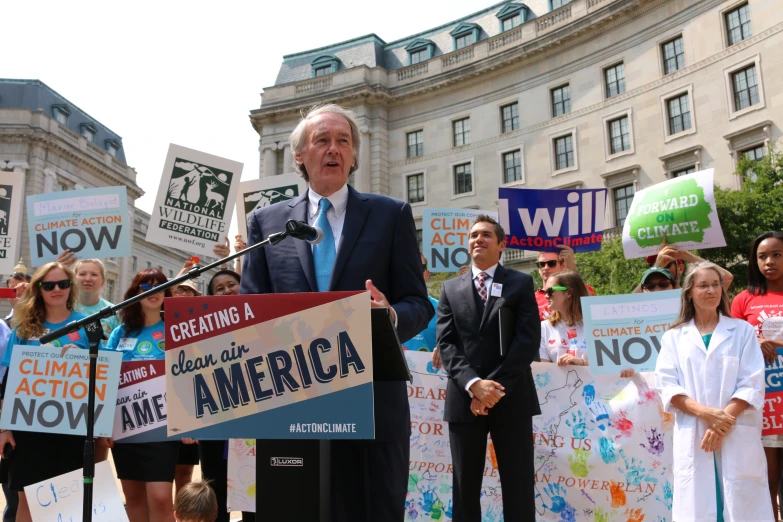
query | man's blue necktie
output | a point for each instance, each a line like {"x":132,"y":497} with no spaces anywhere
{"x":324,"y":252}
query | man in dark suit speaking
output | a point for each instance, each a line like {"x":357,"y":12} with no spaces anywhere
{"x":490,"y":388}
{"x":369,"y":243}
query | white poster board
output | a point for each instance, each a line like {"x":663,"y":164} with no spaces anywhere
{"x":263,"y":192}
{"x":242,"y":475}
{"x":11,"y":194}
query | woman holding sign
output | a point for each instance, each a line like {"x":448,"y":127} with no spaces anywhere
{"x":710,"y":373}
{"x":146,"y":469}
{"x":48,"y":304}
{"x":761,"y":305}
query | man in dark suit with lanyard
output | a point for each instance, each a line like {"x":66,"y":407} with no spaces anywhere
{"x":369,"y":243}
{"x":490,"y":387}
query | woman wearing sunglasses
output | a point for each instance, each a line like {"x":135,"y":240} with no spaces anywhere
{"x":146,"y":470}
{"x":48,"y":304}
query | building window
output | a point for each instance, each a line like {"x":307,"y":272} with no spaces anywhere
{"x":59,"y":186}
{"x":683,"y":172}
{"x":465,"y":34}
{"x":110,"y":290}
{"x":149,"y":265}
{"x":416,"y":188}
{"x":511,"y":16}
{"x":510,"y":23}
{"x":134,"y":264}
{"x":419,"y":56}
{"x":324,"y":64}
{"x":619,"y":135}
{"x":738,"y":24}
{"x":323,"y":71}
{"x":679,"y":114}
{"x":615,"y":80}
{"x":510,"y":115}
{"x":463,"y":178}
{"x":461,"y":132}
{"x":512,"y":166}
{"x":557,"y":4}
{"x":419,"y":50}
{"x":113,"y":147}
{"x":420,"y":238}
{"x":61,"y":113}
{"x":564,"y":152}
{"x":171,"y":274}
{"x":89,"y":131}
{"x":673,"y":55}
{"x":623,"y":196}
{"x":463,"y":41}
{"x":754,"y":153}
{"x":415,"y":143}
{"x":746,"y":90}
{"x":561,"y":100}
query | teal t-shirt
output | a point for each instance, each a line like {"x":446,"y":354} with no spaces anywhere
{"x":108,"y":323}
{"x":79,"y":338}
{"x":144,"y":345}
{"x":425,"y":340}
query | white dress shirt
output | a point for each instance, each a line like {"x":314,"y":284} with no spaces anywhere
{"x":335,"y":215}
{"x":487,"y":284}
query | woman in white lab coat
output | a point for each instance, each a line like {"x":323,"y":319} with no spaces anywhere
{"x":710,"y":373}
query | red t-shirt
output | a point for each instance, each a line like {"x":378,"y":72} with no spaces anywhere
{"x":543,"y":304}
{"x":763,"y":312}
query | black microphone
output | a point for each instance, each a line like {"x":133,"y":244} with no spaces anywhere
{"x":301,"y":230}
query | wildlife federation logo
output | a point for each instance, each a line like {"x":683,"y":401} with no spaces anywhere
{"x":5,"y":210}
{"x":198,"y":188}
{"x":265,"y":197}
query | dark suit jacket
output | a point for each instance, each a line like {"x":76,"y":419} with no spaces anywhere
{"x":379,"y":243}
{"x":469,"y":343}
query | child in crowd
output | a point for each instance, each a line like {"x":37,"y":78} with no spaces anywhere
{"x":195,"y":502}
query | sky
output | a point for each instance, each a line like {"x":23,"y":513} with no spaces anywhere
{"x":188,"y":72}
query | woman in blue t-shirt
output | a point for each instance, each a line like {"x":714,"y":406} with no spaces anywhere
{"x":47,"y":305}
{"x":145,"y":469}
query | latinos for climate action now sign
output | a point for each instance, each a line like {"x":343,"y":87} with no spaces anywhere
{"x":445,"y":234}
{"x":193,"y":206}
{"x":140,"y":415}
{"x":11,"y":194}
{"x":284,"y":366}
{"x":91,"y":223}
{"x":263,"y":192}
{"x":47,"y":391}
{"x":541,"y":220}
{"x":682,"y":210}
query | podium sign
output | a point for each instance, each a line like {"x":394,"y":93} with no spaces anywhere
{"x":279,"y":366}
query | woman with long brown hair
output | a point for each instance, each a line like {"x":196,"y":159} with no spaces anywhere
{"x":47,"y":304}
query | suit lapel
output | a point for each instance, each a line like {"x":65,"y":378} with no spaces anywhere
{"x":466,"y":293}
{"x":355,"y":216}
{"x":298,"y":211}
{"x":500,"y":277}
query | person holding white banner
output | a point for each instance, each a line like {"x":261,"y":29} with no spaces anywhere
{"x":710,"y":373}
{"x":47,"y":304}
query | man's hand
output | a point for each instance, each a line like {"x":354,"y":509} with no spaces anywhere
{"x":67,"y":258}
{"x":487,"y":392}
{"x":476,"y":408}
{"x":718,"y":420}
{"x":379,"y":300}
{"x":567,"y":256}
{"x":436,"y":363}
{"x":221,"y":249}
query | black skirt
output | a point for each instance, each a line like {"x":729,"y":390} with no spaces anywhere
{"x":188,"y":454}
{"x":146,"y":461}
{"x":41,"y":456}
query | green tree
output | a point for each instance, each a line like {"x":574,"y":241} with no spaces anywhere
{"x":608,"y":271}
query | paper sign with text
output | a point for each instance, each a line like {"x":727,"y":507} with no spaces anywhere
{"x":279,"y":366}
{"x":624,"y":331}
{"x":771,"y":328}
{"x":59,"y":499}
{"x":241,"y":475}
{"x":140,"y":415}
{"x":263,"y":192}
{"x":681,"y":209}
{"x":47,"y":392}
{"x":193,"y":206}
{"x":91,"y":223}
{"x":537,"y":219}
{"x":445,"y":234}
{"x":11,"y":195}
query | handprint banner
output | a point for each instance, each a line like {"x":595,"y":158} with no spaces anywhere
{"x":603,"y":447}
{"x":241,"y":475}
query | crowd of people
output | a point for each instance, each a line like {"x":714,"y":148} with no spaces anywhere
{"x":723,"y":468}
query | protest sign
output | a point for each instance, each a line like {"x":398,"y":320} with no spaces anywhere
{"x":47,"y":392}
{"x":59,"y":499}
{"x":241,"y":475}
{"x":193,"y":206}
{"x":445,"y":234}
{"x":91,"y":223}
{"x":11,"y":194}
{"x":536,"y":219}
{"x":263,"y":192}
{"x":681,"y":209}
{"x":140,"y":415}
{"x":624,"y":331}
{"x":287,"y":366}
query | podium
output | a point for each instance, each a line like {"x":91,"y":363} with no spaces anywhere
{"x":293,"y":477}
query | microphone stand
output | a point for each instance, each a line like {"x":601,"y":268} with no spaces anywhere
{"x":92,"y":325}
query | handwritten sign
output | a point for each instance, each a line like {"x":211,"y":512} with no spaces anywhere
{"x":445,"y":234}
{"x":270,"y":366}
{"x":263,"y":192}
{"x":624,"y":331}
{"x":242,"y":475}
{"x":140,"y":415}
{"x":91,"y":223}
{"x":47,"y":392}
{"x":11,"y":195}
{"x":59,"y":499}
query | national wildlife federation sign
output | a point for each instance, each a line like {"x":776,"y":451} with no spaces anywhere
{"x":195,"y":200}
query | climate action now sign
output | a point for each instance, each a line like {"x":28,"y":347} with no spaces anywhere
{"x":682,"y":210}
{"x":445,"y":234}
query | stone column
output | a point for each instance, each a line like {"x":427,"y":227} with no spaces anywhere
{"x":50,"y":177}
{"x":363,"y":175}
{"x":287,"y":159}
{"x":270,"y":161}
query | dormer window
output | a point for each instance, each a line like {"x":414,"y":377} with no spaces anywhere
{"x":464,"y":35}
{"x":511,"y":16}
{"x":113,"y":147}
{"x":325,"y":64}
{"x":89,"y":131}
{"x":61,"y":113}
{"x":420,"y":50}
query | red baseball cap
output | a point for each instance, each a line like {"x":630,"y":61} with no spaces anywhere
{"x":651,"y":260}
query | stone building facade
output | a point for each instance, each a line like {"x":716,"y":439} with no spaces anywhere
{"x":620,"y":94}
